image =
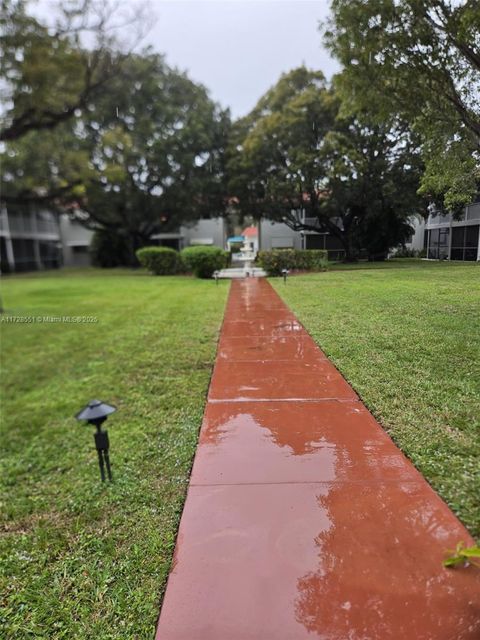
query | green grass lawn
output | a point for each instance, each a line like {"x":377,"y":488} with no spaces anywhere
{"x":408,"y":340}
{"x":82,"y":560}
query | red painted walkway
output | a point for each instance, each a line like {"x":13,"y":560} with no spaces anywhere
{"x":303,"y":519}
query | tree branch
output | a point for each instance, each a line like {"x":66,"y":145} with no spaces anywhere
{"x":29,"y":197}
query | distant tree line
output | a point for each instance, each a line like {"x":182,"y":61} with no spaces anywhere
{"x":295,"y":158}
{"x":132,"y":147}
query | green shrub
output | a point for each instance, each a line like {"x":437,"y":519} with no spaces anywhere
{"x":311,"y":259}
{"x":181,"y":266}
{"x":405,"y":252}
{"x":304,"y":260}
{"x":275,"y":260}
{"x":162,"y":261}
{"x":203,"y":261}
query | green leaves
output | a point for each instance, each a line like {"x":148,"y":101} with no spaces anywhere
{"x":203,"y":261}
{"x":276,"y":260}
{"x":418,"y":60}
{"x":275,"y":156}
{"x":157,"y":150}
{"x":296,"y":153}
{"x":161,"y":261}
{"x":137,"y":146}
{"x":51,"y":165}
{"x":49,"y":75}
{"x":463,"y":555}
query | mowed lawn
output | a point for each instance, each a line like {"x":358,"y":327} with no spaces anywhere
{"x":82,"y":560}
{"x":406,"y":335}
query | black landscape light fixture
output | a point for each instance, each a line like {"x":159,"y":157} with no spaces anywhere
{"x":285,"y":273}
{"x":96,"y":413}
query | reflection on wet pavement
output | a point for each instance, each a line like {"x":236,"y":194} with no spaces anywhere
{"x":278,"y":380}
{"x":303,"y":519}
{"x":269,"y":348}
{"x":293,"y":561}
{"x":294,"y":442}
{"x":274,"y":327}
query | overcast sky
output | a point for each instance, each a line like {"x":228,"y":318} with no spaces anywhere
{"x":239,"y":48}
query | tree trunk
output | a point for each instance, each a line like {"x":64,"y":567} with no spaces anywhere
{"x":135,"y":241}
{"x":351,"y":254}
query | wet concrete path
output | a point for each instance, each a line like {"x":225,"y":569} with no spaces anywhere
{"x":303,"y":519}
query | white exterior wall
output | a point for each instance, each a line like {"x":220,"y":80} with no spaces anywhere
{"x":277,"y":235}
{"x":75,"y":243}
{"x":417,"y":241}
{"x":205,"y":231}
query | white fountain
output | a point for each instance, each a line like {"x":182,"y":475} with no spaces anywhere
{"x":246,"y":258}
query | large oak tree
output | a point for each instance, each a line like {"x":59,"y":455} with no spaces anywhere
{"x":419,"y":59}
{"x":157,"y":143}
{"x":50,"y":78}
{"x":128,"y":145}
{"x":295,"y":159}
{"x":49,"y":72}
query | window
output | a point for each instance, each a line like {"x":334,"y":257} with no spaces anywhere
{"x":433,"y":244}
{"x":443,"y":238}
{"x":4,"y":264}
{"x":438,"y":243}
{"x":49,"y":254}
{"x":325,"y":241}
{"x":315,"y":241}
{"x":24,"y":254}
{"x":465,"y":243}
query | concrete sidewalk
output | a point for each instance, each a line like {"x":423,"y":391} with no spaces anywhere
{"x":303,"y":519}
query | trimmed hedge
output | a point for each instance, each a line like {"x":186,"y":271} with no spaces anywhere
{"x":311,"y":259}
{"x":275,"y":260}
{"x":203,"y":261}
{"x":301,"y":259}
{"x":162,"y":261}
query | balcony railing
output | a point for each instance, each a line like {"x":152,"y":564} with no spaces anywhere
{"x":312,"y":222}
{"x":471,"y":213}
{"x":24,"y":223}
